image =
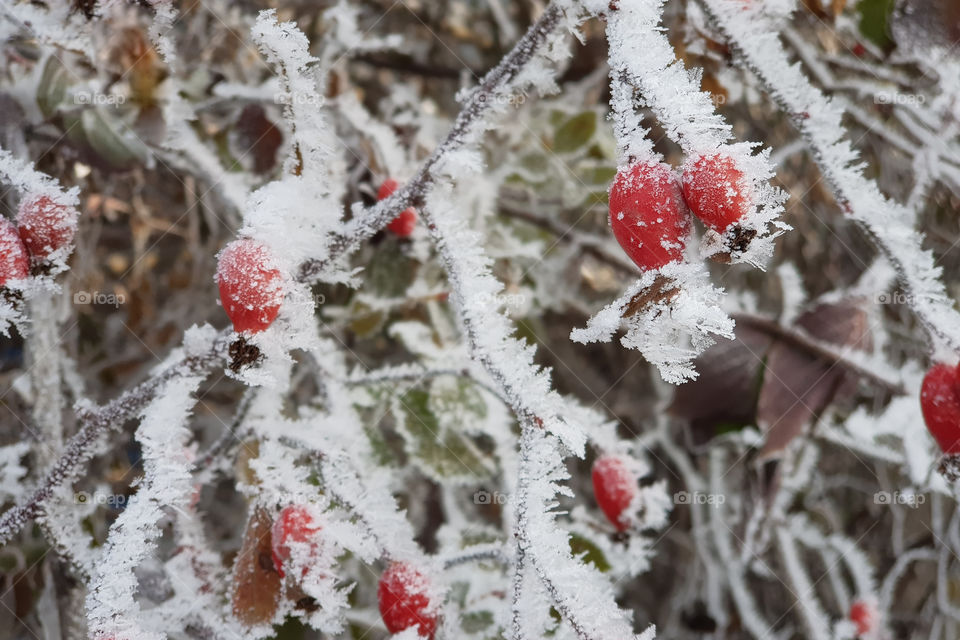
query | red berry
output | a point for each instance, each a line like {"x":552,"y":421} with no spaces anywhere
{"x":46,"y":226}
{"x":614,"y":486}
{"x":14,"y":263}
{"x":940,"y":403}
{"x":295,"y":524}
{"x":864,"y":614}
{"x":716,"y":190}
{"x":404,"y":596}
{"x":401,"y":226}
{"x":647,"y":214}
{"x":250,"y":286}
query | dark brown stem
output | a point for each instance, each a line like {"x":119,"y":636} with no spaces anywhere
{"x":94,"y":422}
{"x":414,"y":192}
{"x":800,"y":340}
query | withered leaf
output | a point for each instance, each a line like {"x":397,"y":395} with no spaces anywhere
{"x":726,"y":390}
{"x":258,"y":136}
{"x":256,"y":584}
{"x":797,"y":384}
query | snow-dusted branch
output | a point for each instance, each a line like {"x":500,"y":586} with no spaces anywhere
{"x":111,"y":607}
{"x":95,"y":421}
{"x":755,"y":37}
{"x":479,"y":103}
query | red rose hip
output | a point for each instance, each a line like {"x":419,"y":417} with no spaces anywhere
{"x":294,"y":525}
{"x":404,"y":598}
{"x":614,"y":487}
{"x":864,"y":615}
{"x":940,"y":404}
{"x":14,"y":261}
{"x":46,"y":226}
{"x":647,"y":214}
{"x":716,"y":190}
{"x":401,"y":226}
{"x":250,"y":285}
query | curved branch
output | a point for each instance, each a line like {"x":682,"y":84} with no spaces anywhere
{"x":414,"y":192}
{"x":94,"y":422}
{"x":755,"y":40}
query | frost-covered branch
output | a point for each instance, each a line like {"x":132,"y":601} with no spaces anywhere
{"x":755,"y":37}
{"x":95,"y":421}
{"x":479,"y":103}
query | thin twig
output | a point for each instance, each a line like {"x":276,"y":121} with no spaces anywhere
{"x":810,"y":345}
{"x":94,"y":422}
{"x":414,"y":192}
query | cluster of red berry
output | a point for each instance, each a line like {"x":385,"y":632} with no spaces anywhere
{"x":403,"y":592}
{"x":401,"y":226}
{"x":614,"y":487}
{"x":940,"y":403}
{"x":43,"y":228}
{"x":648,"y":205}
{"x":250,"y":287}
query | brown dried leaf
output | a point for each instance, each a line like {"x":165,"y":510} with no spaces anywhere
{"x":258,"y":136}
{"x":256,"y":583}
{"x":798,"y":385}
{"x":726,"y":389}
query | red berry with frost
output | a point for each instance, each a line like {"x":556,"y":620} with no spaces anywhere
{"x":614,"y":486}
{"x":14,"y":261}
{"x":647,"y":214}
{"x":716,"y":190}
{"x":251,"y":288}
{"x":401,"y":226}
{"x":404,"y":597}
{"x":865,"y":616}
{"x":295,"y":525}
{"x":46,"y":226}
{"x":940,"y":404}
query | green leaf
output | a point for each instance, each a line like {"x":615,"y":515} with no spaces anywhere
{"x":52,"y":87}
{"x":575,"y":132}
{"x":113,"y":140}
{"x":442,"y":452}
{"x":389,"y":271}
{"x":598,"y":175}
{"x":451,"y":395}
{"x":875,"y":21}
{"x":580,"y":546}
{"x":364,"y":321}
{"x":476,"y":621}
